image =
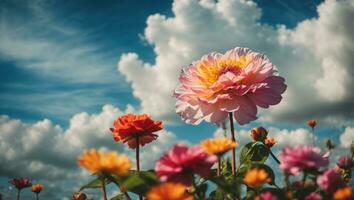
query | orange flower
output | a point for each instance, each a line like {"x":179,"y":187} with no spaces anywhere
{"x":218,"y":146}
{"x":256,"y":177}
{"x":169,"y":191}
{"x":128,"y":127}
{"x":37,"y":188}
{"x":312,"y":123}
{"x":105,"y":162}
{"x":259,"y":133}
{"x":345,"y":193}
{"x":270,"y":142}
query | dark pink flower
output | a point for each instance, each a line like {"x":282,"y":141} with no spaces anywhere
{"x":345,"y":162}
{"x":294,"y":160}
{"x":21,"y":183}
{"x":313,"y":196}
{"x":268,"y":196}
{"x":330,"y":181}
{"x":180,"y":163}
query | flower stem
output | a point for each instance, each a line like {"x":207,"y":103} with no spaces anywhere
{"x":37,"y":196}
{"x":274,"y":157}
{"x":234,"y":140}
{"x":104,"y":189}
{"x":313,"y":135}
{"x":137,"y":154}
{"x":138,"y":160}
{"x":18,"y":194}
{"x":304,"y":179}
{"x":219,"y":166}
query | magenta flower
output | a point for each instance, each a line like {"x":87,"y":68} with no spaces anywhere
{"x":21,"y":183}
{"x":330,"y":181}
{"x":268,"y":196}
{"x":294,"y":160}
{"x":345,"y":162}
{"x":180,"y":163}
{"x":313,"y":196}
{"x":237,"y":81}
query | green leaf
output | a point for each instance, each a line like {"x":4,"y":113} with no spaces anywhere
{"x":96,"y":183}
{"x":228,"y":184}
{"x":119,"y":197}
{"x":139,"y":182}
{"x":254,"y":152}
{"x":200,"y":191}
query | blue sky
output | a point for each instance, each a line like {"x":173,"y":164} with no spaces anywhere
{"x":68,"y":67}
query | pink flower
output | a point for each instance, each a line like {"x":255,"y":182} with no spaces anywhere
{"x":345,"y":162}
{"x":268,"y":196}
{"x":237,"y":81}
{"x":313,"y":196}
{"x":330,"y":181}
{"x":294,"y":160}
{"x":21,"y":183}
{"x":180,"y":163}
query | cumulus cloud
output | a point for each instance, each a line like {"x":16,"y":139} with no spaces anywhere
{"x":347,"y":137}
{"x":46,"y":152}
{"x":314,"y":57}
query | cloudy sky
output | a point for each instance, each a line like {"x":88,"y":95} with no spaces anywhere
{"x":69,"y":68}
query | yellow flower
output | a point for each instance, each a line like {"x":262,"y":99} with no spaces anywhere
{"x":169,"y":191}
{"x":105,"y":162}
{"x":218,"y":146}
{"x":256,"y":177}
{"x":343,"y":193}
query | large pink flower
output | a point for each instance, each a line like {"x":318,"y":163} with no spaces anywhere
{"x":237,"y":81}
{"x":21,"y":183}
{"x":294,"y":160}
{"x":180,"y":163}
{"x":330,"y":181}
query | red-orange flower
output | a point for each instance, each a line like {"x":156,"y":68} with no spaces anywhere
{"x":130,"y":127}
{"x":312,"y":123}
{"x":259,"y":133}
{"x":169,"y":191}
{"x":270,"y":142}
{"x":345,"y":193}
{"x":37,"y":188}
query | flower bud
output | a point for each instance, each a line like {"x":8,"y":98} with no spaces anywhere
{"x":259,"y":134}
{"x":345,"y":162}
{"x":312,"y":123}
{"x":270,"y":142}
{"x":79,"y":196}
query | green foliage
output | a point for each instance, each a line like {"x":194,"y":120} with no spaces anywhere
{"x":119,"y":197}
{"x":139,"y":182}
{"x":96,"y":183}
{"x":254,"y":152}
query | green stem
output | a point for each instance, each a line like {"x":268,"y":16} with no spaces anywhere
{"x":219,"y":166}
{"x":304,"y":179}
{"x":138,"y":160}
{"x":313,"y":135}
{"x":104,"y":189}
{"x":234,"y":140}
{"x":18,"y":194}
{"x":273,"y":156}
{"x":37,"y":196}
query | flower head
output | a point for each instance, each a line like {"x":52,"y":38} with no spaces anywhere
{"x":237,"y":81}
{"x":270,"y":142}
{"x":218,"y":146}
{"x":79,"y":196}
{"x":267,"y":196}
{"x":294,"y":160}
{"x":37,"y":188}
{"x":180,"y":163}
{"x":312,"y":123}
{"x":169,"y":191}
{"x":21,"y":183}
{"x":330,"y":181}
{"x":345,"y":162}
{"x":256,"y":177}
{"x":345,"y":193}
{"x":313,"y":196}
{"x":128,"y":127}
{"x":259,"y":133}
{"x":105,"y":162}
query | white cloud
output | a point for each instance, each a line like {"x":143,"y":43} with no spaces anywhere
{"x":314,"y":57}
{"x":48,"y":153}
{"x":347,"y":137}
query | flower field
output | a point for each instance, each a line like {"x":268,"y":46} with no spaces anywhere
{"x":225,"y":90}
